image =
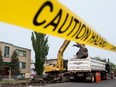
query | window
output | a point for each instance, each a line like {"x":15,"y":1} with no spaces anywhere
{"x":22,"y":65}
{"x":6,"y":51}
{"x":21,"y":53}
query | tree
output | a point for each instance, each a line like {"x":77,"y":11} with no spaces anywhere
{"x":112,"y":65}
{"x":15,"y":70}
{"x":40,"y":47}
{"x":1,"y":63}
{"x":99,"y":58}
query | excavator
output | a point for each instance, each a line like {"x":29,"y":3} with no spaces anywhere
{"x":59,"y":67}
{"x":57,"y":72}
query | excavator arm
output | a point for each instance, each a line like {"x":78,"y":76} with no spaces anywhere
{"x":60,"y":55}
{"x":60,"y":63}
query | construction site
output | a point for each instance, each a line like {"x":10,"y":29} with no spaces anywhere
{"x":39,"y":56}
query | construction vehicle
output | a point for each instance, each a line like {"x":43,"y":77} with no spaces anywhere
{"x":59,"y":67}
{"x":58,"y":72}
{"x":89,"y":69}
{"x":82,"y":68}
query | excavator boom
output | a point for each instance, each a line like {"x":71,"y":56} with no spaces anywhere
{"x":60,"y":54}
{"x":60,"y":63}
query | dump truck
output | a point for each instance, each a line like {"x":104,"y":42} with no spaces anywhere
{"x":89,"y":69}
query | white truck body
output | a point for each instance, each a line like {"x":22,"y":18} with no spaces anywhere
{"x":85,"y":65}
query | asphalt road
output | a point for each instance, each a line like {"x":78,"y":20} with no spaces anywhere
{"x":104,"y":83}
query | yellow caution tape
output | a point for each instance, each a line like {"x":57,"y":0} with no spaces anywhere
{"x":51,"y":17}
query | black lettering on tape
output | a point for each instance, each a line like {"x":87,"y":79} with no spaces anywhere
{"x":76,"y":22}
{"x":88,"y":33}
{"x":104,"y":44}
{"x":96,"y":39}
{"x":92,"y":38}
{"x":78,"y":30}
{"x":82,"y":34}
{"x":100,"y":41}
{"x":58,"y":16}
{"x":47,"y":3}
{"x":60,"y":29}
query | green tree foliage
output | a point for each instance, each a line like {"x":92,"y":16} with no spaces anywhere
{"x":1,"y":63}
{"x":113,"y":66}
{"x":40,"y":47}
{"x":97,"y":58}
{"x":15,"y":70}
{"x":101,"y":59}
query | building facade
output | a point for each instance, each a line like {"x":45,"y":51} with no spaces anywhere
{"x":24,"y":56}
{"x":32,"y":69}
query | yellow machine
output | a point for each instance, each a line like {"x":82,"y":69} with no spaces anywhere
{"x":60,"y":64}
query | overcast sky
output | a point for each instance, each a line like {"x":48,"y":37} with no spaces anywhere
{"x":100,"y":14}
